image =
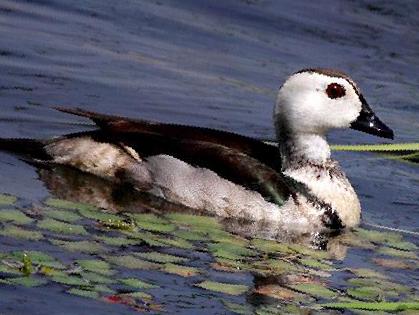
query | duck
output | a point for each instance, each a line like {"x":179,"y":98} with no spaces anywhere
{"x":296,"y":187}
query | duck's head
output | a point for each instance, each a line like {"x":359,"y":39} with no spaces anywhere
{"x":312,"y":101}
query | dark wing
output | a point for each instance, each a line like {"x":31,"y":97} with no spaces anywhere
{"x":242,"y":160}
{"x":263,"y":152}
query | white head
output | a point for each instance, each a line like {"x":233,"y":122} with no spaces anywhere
{"x":313,"y":101}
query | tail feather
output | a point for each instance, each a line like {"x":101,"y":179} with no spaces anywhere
{"x":98,"y":119}
{"x":27,"y":148}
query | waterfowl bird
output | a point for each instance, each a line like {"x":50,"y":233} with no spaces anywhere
{"x":297,"y":188}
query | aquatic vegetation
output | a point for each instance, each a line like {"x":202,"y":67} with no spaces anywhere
{"x":6,"y":200}
{"x":114,"y":258}
{"x":227,"y":288}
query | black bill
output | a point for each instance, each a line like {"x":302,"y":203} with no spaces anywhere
{"x":369,"y":123}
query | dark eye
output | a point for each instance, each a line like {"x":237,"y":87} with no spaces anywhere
{"x":335,"y":90}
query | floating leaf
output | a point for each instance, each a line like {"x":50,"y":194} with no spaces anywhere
{"x":378,"y":283}
{"x":402,"y":245}
{"x":238,"y":308}
{"x":103,"y":289}
{"x":83,"y":293}
{"x":93,"y":277}
{"x":89,"y":247}
{"x":230,"y":251}
{"x":118,"y":225}
{"x":275,"y":266}
{"x":367,"y":273}
{"x":227,"y":288}
{"x":270,"y":246}
{"x":191,"y":235}
{"x":380,"y":306}
{"x":95,"y":265}
{"x":314,"y":263}
{"x":61,"y":227}
{"x":377,"y":147}
{"x":27,"y":281}
{"x":161,"y":257}
{"x":393,"y":263}
{"x":66,"y":204}
{"x":313,"y":253}
{"x":138,"y":295}
{"x":131,"y":262}
{"x":199,"y":223}
{"x":182,"y":271}
{"x":7,"y":199}
{"x":365,"y":293}
{"x":66,"y":279}
{"x":228,"y":265}
{"x":377,"y":236}
{"x":396,"y":253}
{"x":62,"y":215}
{"x":15,"y":216}
{"x":136,"y":283}
{"x":151,"y":222}
{"x":17,"y":232}
{"x":314,"y":289}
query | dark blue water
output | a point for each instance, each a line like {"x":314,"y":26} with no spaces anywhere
{"x":209,"y":63}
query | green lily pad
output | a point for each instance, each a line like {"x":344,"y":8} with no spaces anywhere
{"x":88,"y":247}
{"x":396,"y":252}
{"x":6,"y":268}
{"x":377,"y":236}
{"x":7,"y":199}
{"x":314,"y":289}
{"x":17,"y":232}
{"x":182,"y":271}
{"x":138,"y":295}
{"x":196,"y":222}
{"x":151,"y":222}
{"x":93,"y":277}
{"x":27,"y":281}
{"x":118,"y":225}
{"x":137,"y":283}
{"x":402,"y":245}
{"x":230,"y":251}
{"x":314,"y":263}
{"x":62,"y":215}
{"x":313,"y":253}
{"x":366,"y":293}
{"x":84,"y":293}
{"x":378,"y":283}
{"x":95,"y":265}
{"x":66,"y":279}
{"x":66,"y":204}
{"x":161,"y":257}
{"x":61,"y":227}
{"x":274,"y":266}
{"x":375,"y":306}
{"x":15,"y":216}
{"x":393,"y":263}
{"x":269,"y":246}
{"x":227,"y":288}
{"x":191,"y":235}
{"x":222,"y":264}
{"x":238,"y":308}
{"x":131,"y":262}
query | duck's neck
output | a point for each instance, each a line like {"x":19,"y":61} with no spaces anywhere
{"x":303,"y":149}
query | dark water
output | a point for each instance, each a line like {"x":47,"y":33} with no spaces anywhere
{"x":208,"y":63}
